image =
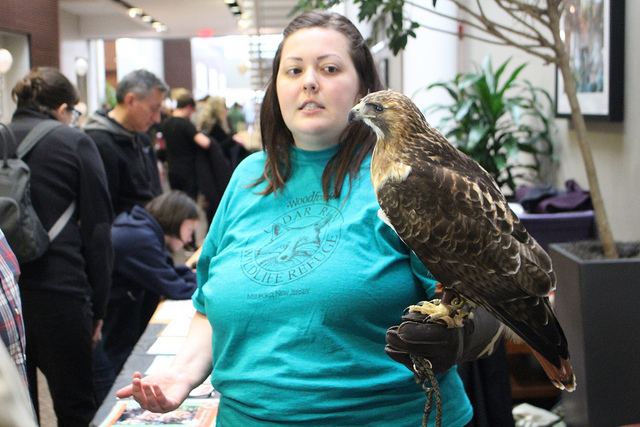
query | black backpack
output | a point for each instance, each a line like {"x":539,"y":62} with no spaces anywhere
{"x":19,"y":222}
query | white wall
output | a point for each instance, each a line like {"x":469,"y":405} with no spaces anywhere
{"x":134,"y":54}
{"x":615,"y":146}
{"x":430,"y":57}
{"x":18,"y":46}
{"x":223,"y":56}
{"x":72,"y":47}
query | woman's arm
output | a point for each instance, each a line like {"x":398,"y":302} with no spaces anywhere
{"x":164,"y":392}
{"x":202,"y":140}
{"x":95,"y":216}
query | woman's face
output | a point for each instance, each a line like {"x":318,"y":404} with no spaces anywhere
{"x":67,"y":114}
{"x":317,"y":85}
{"x":186,"y":235}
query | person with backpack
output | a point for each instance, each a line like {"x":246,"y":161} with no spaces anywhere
{"x":65,"y":291}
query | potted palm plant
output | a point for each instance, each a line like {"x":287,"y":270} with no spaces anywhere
{"x":505,"y":125}
{"x":494,"y":118}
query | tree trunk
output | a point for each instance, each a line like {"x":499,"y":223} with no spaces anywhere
{"x":604,"y":229}
{"x":562,"y":61}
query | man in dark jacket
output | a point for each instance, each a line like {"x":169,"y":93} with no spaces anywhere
{"x":126,"y":151}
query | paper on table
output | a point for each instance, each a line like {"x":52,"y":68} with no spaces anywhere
{"x":172,"y":309}
{"x":160,"y":364}
{"x":166,"y":345}
{"x":193,"y":412}
{"x":177,"y":328}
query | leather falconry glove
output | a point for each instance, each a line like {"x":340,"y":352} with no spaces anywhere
{"x":442,"y":346}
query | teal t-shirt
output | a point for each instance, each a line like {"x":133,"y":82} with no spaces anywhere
{"x":300,"y":293}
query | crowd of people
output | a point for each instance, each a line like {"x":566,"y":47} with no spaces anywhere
{"x":291,"y":220}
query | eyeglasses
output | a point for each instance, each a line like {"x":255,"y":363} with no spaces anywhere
{"x":75,"y":118}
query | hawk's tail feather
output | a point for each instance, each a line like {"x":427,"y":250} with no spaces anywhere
{"x":563,"y":377}
{"x":546,"y":339}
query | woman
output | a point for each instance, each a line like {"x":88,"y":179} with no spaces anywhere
{"x":214,"y":122}
{"x":143,"y":273}
{"x":298,"y":278}
{"x":182,"y":139}
{"x":64,"y":292}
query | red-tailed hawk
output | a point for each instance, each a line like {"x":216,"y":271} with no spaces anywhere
{"x":451,"y":213}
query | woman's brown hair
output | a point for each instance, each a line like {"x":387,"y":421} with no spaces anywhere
{"x":171,"y":209}
{"x":46,"y":89}
{"x":357,"y":141}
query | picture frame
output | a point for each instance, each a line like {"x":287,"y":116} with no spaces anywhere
{"x":594,"y":38}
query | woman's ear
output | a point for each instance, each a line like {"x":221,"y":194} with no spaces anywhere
{"x":62,"y":112}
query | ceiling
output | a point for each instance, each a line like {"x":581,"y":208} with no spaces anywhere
{"x":109,"y":19}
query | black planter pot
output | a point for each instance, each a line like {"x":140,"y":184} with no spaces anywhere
{"x":597,"y":304}
{"x":559,"y":227}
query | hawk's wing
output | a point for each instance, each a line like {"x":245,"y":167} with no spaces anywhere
{"x":473,"y":243}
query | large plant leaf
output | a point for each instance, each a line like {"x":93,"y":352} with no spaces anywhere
{"x":493,"y":118}
{"x":463,"y":110}
{"x":511,"y":79}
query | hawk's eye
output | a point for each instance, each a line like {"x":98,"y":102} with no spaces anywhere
{"x":377,"y":106}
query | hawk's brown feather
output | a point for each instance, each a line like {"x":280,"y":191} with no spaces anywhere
{"x":451,"y":213}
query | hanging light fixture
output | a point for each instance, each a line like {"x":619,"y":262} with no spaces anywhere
{"x":137,"y":13}
{"x":6,"y":61}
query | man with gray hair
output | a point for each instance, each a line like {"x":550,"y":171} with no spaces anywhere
{"x":125,"y":148}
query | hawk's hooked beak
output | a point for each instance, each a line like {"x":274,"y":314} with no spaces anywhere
{"x":354,"y":114}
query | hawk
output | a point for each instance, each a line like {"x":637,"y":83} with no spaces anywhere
{"x":450,"y":212}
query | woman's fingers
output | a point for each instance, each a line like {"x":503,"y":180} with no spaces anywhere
{"x":148,"y":394}
{"x":127,"y":391}
{"x":161,"y":398}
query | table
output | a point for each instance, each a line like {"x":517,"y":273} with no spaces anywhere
{"x":168,"y":312}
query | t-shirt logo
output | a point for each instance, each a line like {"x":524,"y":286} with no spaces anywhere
{"x":294,"y":244}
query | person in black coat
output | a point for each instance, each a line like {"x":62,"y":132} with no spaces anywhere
{"x":182,"y":142}
{"x":214,"y":122}
{"x":120,"y":134}
{"x":144,"y":273}
{"x":64,"y":292}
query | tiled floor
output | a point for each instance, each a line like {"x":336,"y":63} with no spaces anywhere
{"x":47,"y":416}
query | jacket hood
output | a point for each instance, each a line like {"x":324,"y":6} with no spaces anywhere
{"x":100,"y":121}
{"x":139,"y":217}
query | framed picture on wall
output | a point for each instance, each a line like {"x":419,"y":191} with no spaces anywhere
{"x":594,"y":38}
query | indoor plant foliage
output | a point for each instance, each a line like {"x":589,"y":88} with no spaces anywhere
{"x":494,"y":119}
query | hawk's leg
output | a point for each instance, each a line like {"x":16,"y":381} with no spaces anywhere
{"x":450,"y":310}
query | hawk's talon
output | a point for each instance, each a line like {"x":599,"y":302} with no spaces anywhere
{"x":452,"y":316}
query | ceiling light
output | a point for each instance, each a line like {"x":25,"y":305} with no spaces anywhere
{"x":234,"y":7}
{"x":243,"y":24}
{"x":136,"y":12}
{"x":6,"y":60}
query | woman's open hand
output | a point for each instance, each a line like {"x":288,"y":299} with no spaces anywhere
{"x":162,"y":392}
